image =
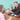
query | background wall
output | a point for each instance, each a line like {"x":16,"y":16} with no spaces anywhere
{"x":7,"y":3}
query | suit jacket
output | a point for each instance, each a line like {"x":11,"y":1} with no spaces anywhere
{"x":18,"y":8}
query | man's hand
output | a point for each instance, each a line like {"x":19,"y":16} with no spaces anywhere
{"x":11,"y":12}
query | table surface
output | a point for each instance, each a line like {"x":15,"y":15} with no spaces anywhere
{"x":13,"y":18}
{"x":16,"y":18}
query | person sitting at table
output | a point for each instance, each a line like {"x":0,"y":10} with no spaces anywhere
{"x":11,"y":10}
{"x":17,"y":7}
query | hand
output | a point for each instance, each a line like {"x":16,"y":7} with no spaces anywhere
{"x":11,"y":12}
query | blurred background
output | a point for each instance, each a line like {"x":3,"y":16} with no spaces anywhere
{"x":7,"y":4}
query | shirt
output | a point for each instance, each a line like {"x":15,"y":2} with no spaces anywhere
{"x":1,"y":16}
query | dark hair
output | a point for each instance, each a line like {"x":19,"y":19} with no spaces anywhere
{"x":0,"y":10}
{"x":1,"y":6}
{"x":15,"y":2}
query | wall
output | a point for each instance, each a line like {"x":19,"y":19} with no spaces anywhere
{"x":7,"y":3}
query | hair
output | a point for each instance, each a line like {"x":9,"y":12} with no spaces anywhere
{"x":15,"y":2}
{"x":1,"y":6}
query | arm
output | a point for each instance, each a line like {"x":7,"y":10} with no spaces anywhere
{"x":13,"y":10}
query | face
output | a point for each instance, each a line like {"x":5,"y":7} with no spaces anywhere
{"x":15,"y":4}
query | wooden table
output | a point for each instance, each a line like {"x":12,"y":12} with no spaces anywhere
{"x":16,"y":18}
{"x":13,"y":18}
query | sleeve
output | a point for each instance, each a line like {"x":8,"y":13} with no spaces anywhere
{"x":2,"y":17}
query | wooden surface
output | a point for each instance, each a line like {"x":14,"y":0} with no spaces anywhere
{"x":16,"y":18}
{"x":13,"y":18}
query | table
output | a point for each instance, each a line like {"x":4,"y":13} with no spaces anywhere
{"x":16,"y":18}
{"x":13,"y":18}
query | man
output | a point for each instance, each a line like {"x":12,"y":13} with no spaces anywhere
{"x":17,"y":7}
{"x":1,"y":15}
